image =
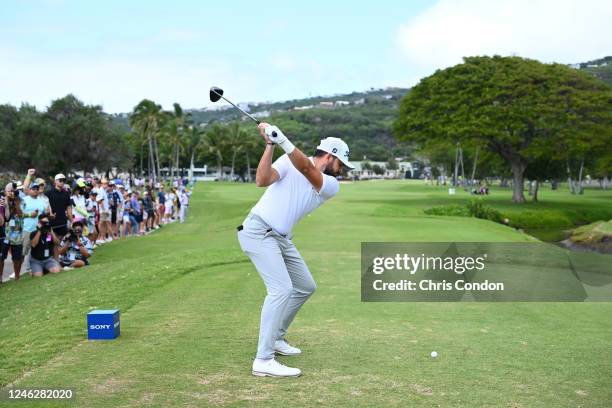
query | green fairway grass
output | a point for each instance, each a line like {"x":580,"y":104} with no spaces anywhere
{"x":190,"y":303}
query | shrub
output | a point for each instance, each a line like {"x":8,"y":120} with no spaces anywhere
{"x":477,"y":209}
{"x":474,"y":208}
{"x":540,"y":219}
{"x":448,"y":210}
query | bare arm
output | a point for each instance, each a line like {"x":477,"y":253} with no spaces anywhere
{"x":305,"y":166}
{"x":28,"y":181}
{"x":55,"y":239}
{"x":83,"y":250}
{"x":36,"y":239}
{"x":64,"y":246}
{"x":4,"y":213}
{"x":266,"y":174}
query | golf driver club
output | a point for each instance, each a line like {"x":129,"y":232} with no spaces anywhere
{"x":216,"y":93}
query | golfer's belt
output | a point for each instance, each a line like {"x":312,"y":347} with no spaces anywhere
{"x":268,"y":230}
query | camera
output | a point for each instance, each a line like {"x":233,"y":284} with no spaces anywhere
{"x":45,"y":226}
{"x":72,"y":236}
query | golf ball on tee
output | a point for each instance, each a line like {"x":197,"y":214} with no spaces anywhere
{"x":434,"y":354}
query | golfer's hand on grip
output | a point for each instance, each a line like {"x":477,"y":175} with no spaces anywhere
{"x":275,"y":135}
{"x":262,"y":131}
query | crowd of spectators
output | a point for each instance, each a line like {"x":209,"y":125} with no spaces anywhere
{"x":57,"y":227}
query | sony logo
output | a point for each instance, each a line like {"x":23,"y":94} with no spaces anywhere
{"x":99,"y":326}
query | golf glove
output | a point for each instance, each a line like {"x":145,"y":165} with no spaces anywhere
{"x":277,"y":137}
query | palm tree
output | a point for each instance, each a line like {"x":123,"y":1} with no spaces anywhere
{"x":181,"y":121}
{"x":235,"y":139}
{"x":194,"y":143}
{"x":215,"y":142}
{"x":146,"y":120}
{"x":251,"y":145}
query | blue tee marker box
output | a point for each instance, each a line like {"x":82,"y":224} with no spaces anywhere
{"x":103,"y":324}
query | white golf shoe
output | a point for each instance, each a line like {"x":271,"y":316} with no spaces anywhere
{"x":272,"y":368}
{"x":285,"y":349}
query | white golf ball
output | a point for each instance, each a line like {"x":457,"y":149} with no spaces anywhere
{"x":434,"y":354}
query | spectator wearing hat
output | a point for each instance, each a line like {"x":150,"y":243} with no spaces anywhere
{"x":32,"y":206}
{"x":75,"y":248}
{"x":78,"y":200}
{"x":42,"y":187}
{"x":11,"y":230}
{"x":61,"y":206}
{"x":43,"y":241}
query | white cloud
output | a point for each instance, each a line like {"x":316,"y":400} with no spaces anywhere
{"x":117,"y":83}
{"x":548,"y":30}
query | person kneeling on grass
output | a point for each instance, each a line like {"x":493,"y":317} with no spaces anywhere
{"x":43,"y":241}
{"x":75,"y":248}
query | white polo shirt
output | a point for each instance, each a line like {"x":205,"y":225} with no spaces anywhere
{"x":292,"y":196}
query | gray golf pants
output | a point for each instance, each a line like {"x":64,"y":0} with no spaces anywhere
{"x":287,"y":278}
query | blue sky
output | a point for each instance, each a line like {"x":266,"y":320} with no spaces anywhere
{"x":120,"y":52}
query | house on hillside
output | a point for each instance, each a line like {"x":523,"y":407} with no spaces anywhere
{"x":365,"y":170}
{"x":262,"y":114}
{"x":326,"y":104}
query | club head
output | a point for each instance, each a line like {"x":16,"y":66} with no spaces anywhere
{"x":215,"y":93}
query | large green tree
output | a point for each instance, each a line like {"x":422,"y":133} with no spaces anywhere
{"x":520,"y":109}
{"x":69,"y":136}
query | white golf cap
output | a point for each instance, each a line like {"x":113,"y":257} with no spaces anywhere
{"x":338,"y":148}
{"x":60,"y":176}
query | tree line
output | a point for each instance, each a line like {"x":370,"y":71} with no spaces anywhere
{"x":71,"y":136}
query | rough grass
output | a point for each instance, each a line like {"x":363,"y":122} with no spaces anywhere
{"x":190,"y":305}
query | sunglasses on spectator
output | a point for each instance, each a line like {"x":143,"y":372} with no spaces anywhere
{"x":61,"y":180}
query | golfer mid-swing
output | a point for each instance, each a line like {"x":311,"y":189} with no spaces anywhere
{"x":296,"y":186}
